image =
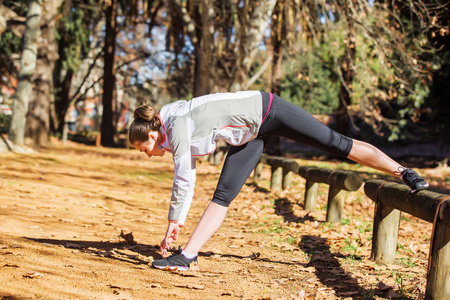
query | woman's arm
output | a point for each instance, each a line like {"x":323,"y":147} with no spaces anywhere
{"x":179,"y":135}
{"x":183,"y":187}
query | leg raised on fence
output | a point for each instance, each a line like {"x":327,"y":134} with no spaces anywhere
{"x":311,"y":189}
{"x":335,"y":206}
{"x":385,"y":233}
{"x":438,"y":283}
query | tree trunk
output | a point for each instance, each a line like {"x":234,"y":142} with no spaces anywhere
{"x":278,"y":36}
{"x":253,"y":22}
{"x":345,"y":90}
{"x":63,"y":78}
{"x":203,"y":50}
{"x":109,"y":77}
{"x":27,"y":68}
{"x":63,"y":94}
{"x":38,"y":118}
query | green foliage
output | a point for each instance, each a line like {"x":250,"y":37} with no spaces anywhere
{"x":73,"y":37}
{"x":9,"y":43}
{"x":4,"y":123}
{"x":390,"y":87}
{"x":310,"y":83}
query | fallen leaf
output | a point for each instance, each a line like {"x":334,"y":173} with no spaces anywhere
{"x":383,"y":287}
{"x":119,"y":287}
{"x":5,"y":295}
{"x":210,"y":274}
{"x":67,"y":220}
{"x":191,"y":286}
{"x":299,"y":296}
{"x":128,"y":237}
{"x":394,"y":267}
{"x":11,"y":266}
{"x":253,"y":255}
{"x":33,"y":275}
{"x":394,"y":295}
{"x":218,"y":281}
{"x":349,"y":293}
{"x":421,"y":296}
{"x":312,"y":279}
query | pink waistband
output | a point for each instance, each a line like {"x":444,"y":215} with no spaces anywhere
{"x":270,"y":104}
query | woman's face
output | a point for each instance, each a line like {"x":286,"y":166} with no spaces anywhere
{"x":150,"y":147}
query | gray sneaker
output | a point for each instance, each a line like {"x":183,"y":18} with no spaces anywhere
{"x":175,"y":262}
{"x":413,"y":180}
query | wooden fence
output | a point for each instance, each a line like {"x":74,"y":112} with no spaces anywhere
{"x":393,"y":198}
{"x":339,"y":182}
{"x":390,"y":198}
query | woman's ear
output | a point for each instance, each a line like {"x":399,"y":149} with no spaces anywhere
{"x":153,"y":135}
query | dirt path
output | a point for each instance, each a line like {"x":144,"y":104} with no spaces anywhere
{"x":62,"y":210}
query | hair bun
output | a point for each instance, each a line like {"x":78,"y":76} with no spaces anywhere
{"x":145,"y":113}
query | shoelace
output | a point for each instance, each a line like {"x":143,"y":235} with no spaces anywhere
{"x":409,"y":175}
{"x":176,"y":252}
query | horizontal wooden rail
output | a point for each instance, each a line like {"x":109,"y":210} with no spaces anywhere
{"x":339,"y":181}
{"x":344,"y":180}
{"x":422,"y":205}
{"x":392,"y":198}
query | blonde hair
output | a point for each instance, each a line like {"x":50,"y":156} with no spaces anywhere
{"x":145,"y":120}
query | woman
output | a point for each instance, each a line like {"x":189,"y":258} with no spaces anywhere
{"x":245,"y":120}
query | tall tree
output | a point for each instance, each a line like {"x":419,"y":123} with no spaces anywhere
{"x":204,"y":51}
{"x":108,"y":129}
{"x":346,"y":70}
{"x":254,"y":17}
{"x":27,"y":69}
{"x":198,"y":24}
{"x":38,"y":118}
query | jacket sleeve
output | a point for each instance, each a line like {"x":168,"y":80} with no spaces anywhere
{"x":179,"y":134}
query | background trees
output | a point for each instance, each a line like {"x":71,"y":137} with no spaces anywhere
{"x":381,"y":66}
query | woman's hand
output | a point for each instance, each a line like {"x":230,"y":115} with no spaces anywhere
{"x":171,"y":235}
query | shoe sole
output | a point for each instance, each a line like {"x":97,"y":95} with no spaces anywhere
{"x":172,"y":268}
{"x":420,"y":189}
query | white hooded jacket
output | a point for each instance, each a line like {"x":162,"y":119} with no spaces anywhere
{"x":192,"y":128}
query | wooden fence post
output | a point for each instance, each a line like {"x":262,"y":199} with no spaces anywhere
{"x":287,"y":179}
{"x":311,"y":190}
{"x":277,"y":173}
{"x":216,"y":157}
{"x":385,"y":234}
{"x":335,"y":204}
{"x":289,"y":166}
{"x":258,"y":171}
{"x":438,"y":284}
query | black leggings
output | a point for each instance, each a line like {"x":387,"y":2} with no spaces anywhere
{"x":283,"y":119}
